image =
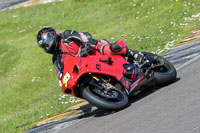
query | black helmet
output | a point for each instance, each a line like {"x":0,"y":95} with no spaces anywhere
{"x":47,"y":38}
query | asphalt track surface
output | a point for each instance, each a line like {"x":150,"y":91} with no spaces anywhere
{"x":8,"y":3}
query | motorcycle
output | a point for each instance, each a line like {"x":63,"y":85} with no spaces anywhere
{"x":107,"y":81}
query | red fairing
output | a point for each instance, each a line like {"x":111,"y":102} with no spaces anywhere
{"x":96,"y":63}
{"x":93,"y":63}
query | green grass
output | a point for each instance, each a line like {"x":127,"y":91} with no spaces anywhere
{"x":29,"y":90}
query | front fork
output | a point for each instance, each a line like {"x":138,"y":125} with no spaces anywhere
{"x":103,"y":88}
{"x":101,"y":83}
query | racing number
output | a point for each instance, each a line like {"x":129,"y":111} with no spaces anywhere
{"x":66,"y":79}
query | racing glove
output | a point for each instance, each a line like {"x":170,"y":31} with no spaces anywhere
{"x":85,"y":51}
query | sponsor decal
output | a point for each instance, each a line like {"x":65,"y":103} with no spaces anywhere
{"x":66,"y":79}
{"x":98,"y":67}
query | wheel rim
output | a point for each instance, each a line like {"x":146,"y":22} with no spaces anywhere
{"x":112,"y":95}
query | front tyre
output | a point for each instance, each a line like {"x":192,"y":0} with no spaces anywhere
{"x":113,"y":100}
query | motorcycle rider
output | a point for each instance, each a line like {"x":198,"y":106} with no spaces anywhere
{"x":78,"y":44}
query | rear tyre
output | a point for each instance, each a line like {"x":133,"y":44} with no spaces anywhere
{"x":116,"y":101}
{"x":164,"y":74}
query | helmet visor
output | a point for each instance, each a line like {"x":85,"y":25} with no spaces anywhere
{"x":48,"y":40}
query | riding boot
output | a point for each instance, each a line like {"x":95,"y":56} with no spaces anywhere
{"x":136,"y":55}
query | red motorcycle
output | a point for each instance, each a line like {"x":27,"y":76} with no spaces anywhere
{"x":106,"y":81}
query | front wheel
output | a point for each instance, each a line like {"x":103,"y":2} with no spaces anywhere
{"x":113,"y":99}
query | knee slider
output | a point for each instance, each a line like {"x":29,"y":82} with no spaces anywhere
{"x":115,"y":48}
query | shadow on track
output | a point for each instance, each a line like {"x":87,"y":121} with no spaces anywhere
{"x":132,"y":100}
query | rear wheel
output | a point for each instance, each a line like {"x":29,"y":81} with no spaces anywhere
{"x":164,"y":72}
{"x":112,"y":99}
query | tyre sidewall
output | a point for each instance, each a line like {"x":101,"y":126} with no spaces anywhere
{"x":102,"y":103}
{"x":164,"y":78}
